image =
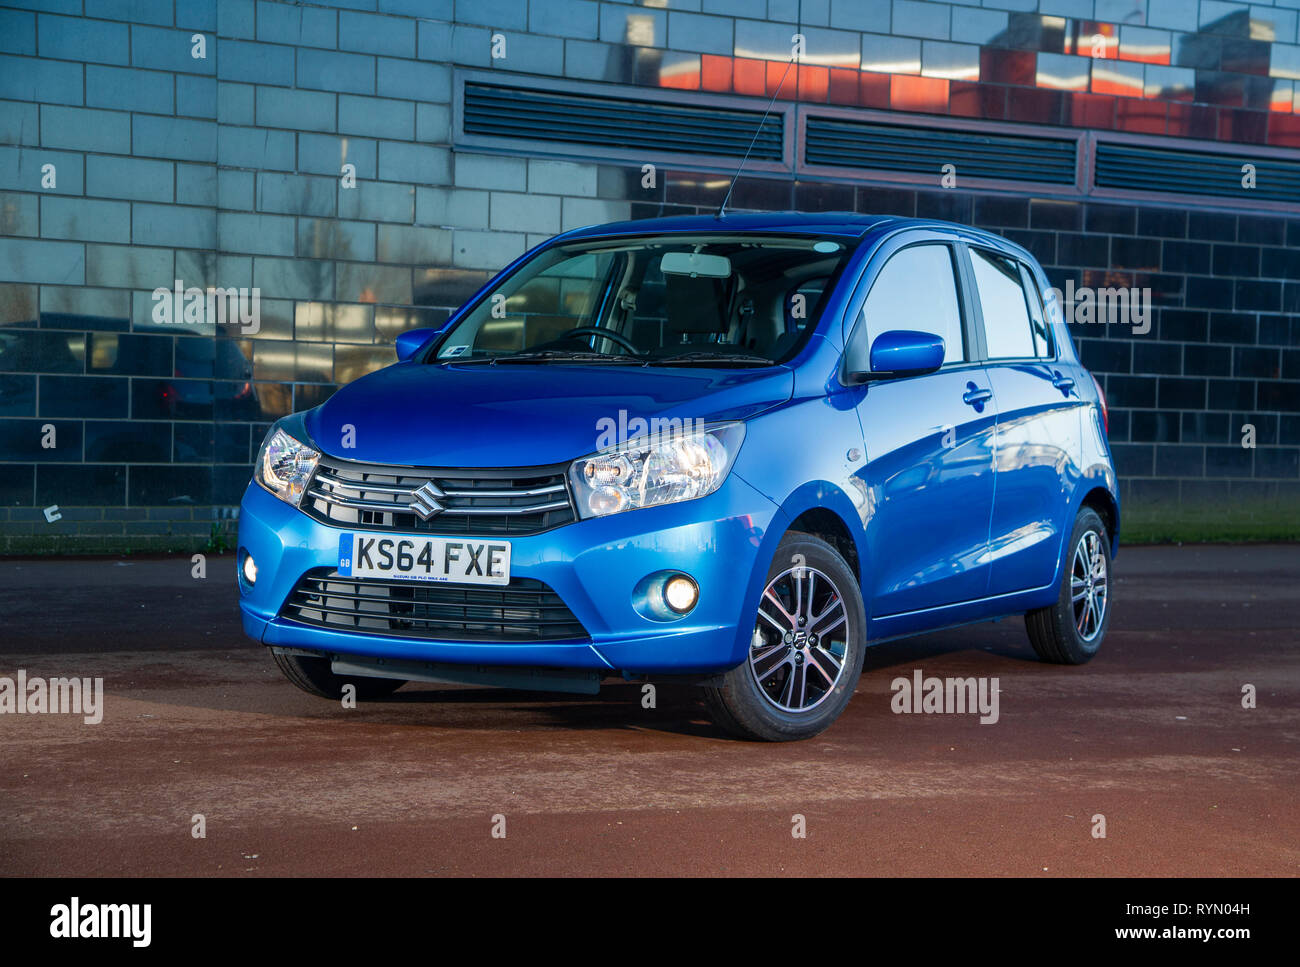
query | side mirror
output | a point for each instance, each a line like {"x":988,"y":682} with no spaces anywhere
{"x":408,"y":343}
{"x":903,"y":352}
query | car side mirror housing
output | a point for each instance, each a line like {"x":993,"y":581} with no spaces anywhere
{"x":409,"y":343}
{"x":901,"y":352}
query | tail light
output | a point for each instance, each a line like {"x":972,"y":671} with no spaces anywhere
{"x":1105,"y":412}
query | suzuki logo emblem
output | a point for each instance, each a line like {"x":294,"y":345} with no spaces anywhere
{"x":424,"y":500}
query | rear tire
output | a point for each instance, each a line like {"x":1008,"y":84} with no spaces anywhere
{"x":1070,"y":632}
{"x":806,"y":651}
{"x":314,"y":677}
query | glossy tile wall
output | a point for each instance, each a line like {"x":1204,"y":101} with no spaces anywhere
{"x":308,"y":151}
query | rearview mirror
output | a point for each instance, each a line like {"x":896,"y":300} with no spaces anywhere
{"x":903,"y":352}
{"x":695,"y":264}
{"x":408,"y":343}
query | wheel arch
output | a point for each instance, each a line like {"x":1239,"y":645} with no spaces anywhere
{"x":825,"y":510}
{"x":1103,"y":502}
{"x":825,"y":523}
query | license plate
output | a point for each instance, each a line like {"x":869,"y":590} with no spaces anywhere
{"x":459,"y":560}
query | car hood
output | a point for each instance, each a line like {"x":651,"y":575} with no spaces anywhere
{"x":522,"y":415}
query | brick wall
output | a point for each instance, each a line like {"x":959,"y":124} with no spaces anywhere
{"x":225,"y":171}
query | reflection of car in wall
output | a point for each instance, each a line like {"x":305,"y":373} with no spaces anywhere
{"x":175,"y":375}
{"x":734,"y":451}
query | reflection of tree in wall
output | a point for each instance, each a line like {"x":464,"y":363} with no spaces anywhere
{"x":17,"y":301}
{"x":326,"y":242}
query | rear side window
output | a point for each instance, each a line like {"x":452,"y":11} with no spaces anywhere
{"x":917,"y":290}
{"x":1042,"y":335}
{"x":1010,"y":332}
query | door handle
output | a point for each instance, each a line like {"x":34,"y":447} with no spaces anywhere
{"x":976,"y":397}
{"x":1062,"y":382}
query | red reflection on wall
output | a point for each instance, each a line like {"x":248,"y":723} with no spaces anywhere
{"x":999,"y":66}
{"x":873,"y":90}
{"x":925,"y":94}
{"x":781,"y":77}
{"x":1236,"y":102}
{"x":974,"y":100}
{"x":1139,"y":116}
{"x":684,"y":78}
{"x":1090,"y":111}
{"x":1036,"y":106}
{"x":1193,"y":121}
{"x":843,"y":86}
{"x":715,"y":72}
{"x":749,"y":76}
{"x":1284,"y":130}
{"x":814,"y":83}
{"x":1250,"y":127}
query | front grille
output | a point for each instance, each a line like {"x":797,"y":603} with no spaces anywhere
{"x":477,"y":502}
{"x":524,"y":610}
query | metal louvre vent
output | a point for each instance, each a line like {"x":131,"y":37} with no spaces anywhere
{"x":481,"y":502}
{"x":1193,"y":172}
{"x":538,"y":115}
{"x":890,"y":147}
{"x":524,"y":610}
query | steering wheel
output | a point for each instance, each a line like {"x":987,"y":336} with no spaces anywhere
{"x":611,"y":335}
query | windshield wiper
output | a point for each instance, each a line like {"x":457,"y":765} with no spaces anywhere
{"x":567,"y":355}
{"x":706,"y":356}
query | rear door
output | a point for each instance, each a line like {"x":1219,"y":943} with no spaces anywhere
{"x":928,"y":441}
{"x":1037,"y":422}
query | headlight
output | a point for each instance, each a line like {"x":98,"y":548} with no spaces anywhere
{"x":655,"y":470}
{"x":284,"y":465}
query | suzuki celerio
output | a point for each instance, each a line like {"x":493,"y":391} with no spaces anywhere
{"x":733,"y":451}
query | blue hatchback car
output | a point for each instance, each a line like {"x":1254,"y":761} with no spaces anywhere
{"x":732,"y":451}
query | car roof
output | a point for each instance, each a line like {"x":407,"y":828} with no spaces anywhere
{"x":844,"y":224}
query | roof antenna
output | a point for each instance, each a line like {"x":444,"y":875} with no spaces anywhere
{"x":722,"y":209}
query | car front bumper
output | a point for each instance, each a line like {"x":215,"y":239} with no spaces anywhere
{"x":724,"y":541}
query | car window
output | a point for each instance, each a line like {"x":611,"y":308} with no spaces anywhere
{"x":1042,"y":335}
{"x":660,"y":296}
{"x":916,"y":290}
{"x":560,"y":297}
{"x":1008,"y":332}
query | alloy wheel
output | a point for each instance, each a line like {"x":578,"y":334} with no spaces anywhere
{"x":1088,"y":585}
{"x":797,"y":653}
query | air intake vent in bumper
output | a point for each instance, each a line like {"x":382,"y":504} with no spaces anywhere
{"x":524,"y":611}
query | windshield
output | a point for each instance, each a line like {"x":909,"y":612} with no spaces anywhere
{"x":732,"y":300}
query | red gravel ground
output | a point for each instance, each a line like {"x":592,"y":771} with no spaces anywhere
{"x":1152,"y":735}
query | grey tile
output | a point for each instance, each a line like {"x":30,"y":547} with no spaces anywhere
{"x":82,"y":39}
{"x":24,"y":260}
{"x":329,"y":70}
{"x":295,"y":194}
{"x":85,"y":129}
{"x":376,"y":34}
{"x":85,"y":220}
{"x":262,"y":148}
{"x":376,"y":117}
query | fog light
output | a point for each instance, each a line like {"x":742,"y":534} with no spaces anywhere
{"x":681,"y":593}
{"x":250,"y":570}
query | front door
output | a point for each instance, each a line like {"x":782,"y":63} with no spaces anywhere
{"x":928,"y":443}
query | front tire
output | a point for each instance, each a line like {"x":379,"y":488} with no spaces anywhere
{"x":314,"y":677}
{"x":1070,"y":631}
{"x":806,"y":651}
